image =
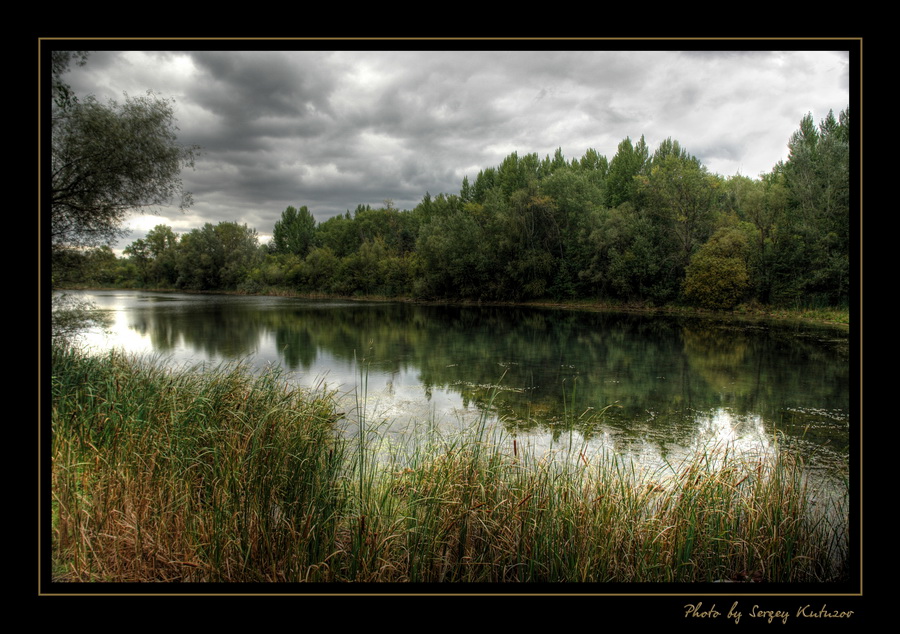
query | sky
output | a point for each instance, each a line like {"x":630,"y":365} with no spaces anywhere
{"x":333,"y":129}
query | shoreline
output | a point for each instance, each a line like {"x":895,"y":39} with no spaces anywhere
{"x":825,"y":316}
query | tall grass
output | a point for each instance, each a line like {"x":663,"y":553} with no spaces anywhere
{"x":213,"y":476}
{"x":227,"y":475}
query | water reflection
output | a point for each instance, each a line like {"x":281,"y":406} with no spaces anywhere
{"x":654,"y":388}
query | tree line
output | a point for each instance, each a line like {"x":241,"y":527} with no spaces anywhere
{"x":654,"y":227}
{"x":646,"y":227}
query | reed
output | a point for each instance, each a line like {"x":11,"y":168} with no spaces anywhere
{"x":226,"y":475}
{"x":219,"y":475}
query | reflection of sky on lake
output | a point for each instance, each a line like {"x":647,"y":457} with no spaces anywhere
{"x":396,"y":397}
{"x":399,"y":400}
{"x":265,"y":332}
{"x":716,"y":431}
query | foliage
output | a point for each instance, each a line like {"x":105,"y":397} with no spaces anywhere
{"x":96,"y":266}
{"x":154,"y":256}
{"x":454,"y":250}
{"x":815,"y":237}
{"x":232,"y":476}
{"x":62,"y":94}
{"x":295,"y":232}
{"x":717,"y":276}
{"x":636,"y":269}
{"x":195,"y":472}
{"x":338,"y":235}
{"x":680,"y":196}
{"x":628,"y":163}
{"x":651,"y":228}
{"x":217,"y":257}
{"x":320,"y":269}
{"x":107,"y":160}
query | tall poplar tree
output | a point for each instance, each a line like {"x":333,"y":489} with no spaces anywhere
{"x":628,"y":162}
{"x":815,"y":244}
{"x":295,"y":232}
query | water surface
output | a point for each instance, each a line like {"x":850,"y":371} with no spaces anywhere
{"x":649,"y":387}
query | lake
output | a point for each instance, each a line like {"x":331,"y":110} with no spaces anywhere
{"x":649,"y":387}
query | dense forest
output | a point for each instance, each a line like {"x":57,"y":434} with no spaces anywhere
{"x":650,"y":227}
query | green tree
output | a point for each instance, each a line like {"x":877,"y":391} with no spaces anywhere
{"x":105,"y":161}
{"x":109,"y":159}
{"x":761,"y":204}
{"x":628,"y":163}
{"x":717,"y":276}
{"x":163,"y":243}
{"x":549,"y":166}
{"x":62,"y":94}
{"x":466,"y":192}
{"x":295,"y":232}
{"x":681,"y":197}
{"x":631,"y":258}
{"x":397,"y":230}
{"x":814,"y":241}
{"x":671,"y":147}
{"x":139,"y":254}
{"x":516,"y":172}
{"x":440,"y":205}
{"x":577,"y":193}
{"x":596,"y":167}
{"x":154,"y":256}
{"x":103,"y":266}
{"x":529,"y":244}
{"x":457,"y":258}
{"x":217,"y":257}
{"x":337,"y":234}
{"x":320,"y":269}
{"x":484,"y":182}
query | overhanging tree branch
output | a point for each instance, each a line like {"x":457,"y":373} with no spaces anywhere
{"x":108,"y":159}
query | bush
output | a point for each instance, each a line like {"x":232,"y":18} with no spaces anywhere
{"x":717,"y":277}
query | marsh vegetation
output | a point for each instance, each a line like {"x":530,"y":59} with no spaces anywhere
{"x":239,"y":476}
